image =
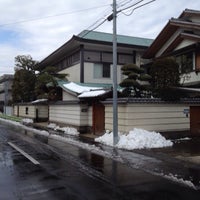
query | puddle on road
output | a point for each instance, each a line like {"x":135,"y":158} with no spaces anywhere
{"x":115,"y":172}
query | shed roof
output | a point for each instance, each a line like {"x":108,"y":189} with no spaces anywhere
{"x":85,"y":90}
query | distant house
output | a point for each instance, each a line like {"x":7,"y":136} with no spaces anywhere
{"x":6,"y":82}
{"x":180,"y":38}
{"x":87,"y":57}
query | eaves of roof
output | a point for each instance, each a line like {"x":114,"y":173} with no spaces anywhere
{"x":69,"y":45}
{"x":171,"y":27}
{"x":179,"y":39}
{"x":99,"y":38}
{"x":189,"y":12}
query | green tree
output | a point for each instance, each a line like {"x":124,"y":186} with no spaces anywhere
{"x":165,"y":77}
{"x":136,"y":80}
{"x":46,"y":84}
{"x":24,"y":79}
{"x":25,"y":62}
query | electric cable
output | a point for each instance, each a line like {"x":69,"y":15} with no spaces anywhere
{"x":51,"y":16}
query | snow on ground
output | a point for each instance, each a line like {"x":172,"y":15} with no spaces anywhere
{"x":183,"y":139}
{"x":66,"y":130}
{"x":174,"y":178}
{"x":27,"y":121}
{"x":136,"y":139}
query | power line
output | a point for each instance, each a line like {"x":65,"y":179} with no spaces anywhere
{"x":97,"y":23}
{"x":137,"y":8}
{"x":51,"y":16}
{"x":110,"y":17}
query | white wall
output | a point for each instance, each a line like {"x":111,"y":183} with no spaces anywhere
{"x":43,"y":112}
{"x":74,"y":73}
{"x":152,"y":117}
{"x":68,"y":97}
{"x":69,"y":114}
{"x":31,"y":111}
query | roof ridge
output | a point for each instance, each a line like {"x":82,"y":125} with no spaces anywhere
{"x":106,"y":33}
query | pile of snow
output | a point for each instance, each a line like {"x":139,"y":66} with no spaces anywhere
{"x":136,"y":139}
{"x":66,"y":130}
{"x":180,"y":181}
{"x":27,"y":121}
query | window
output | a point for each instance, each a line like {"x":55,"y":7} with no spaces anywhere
{"x":185,"y":62}
{"x":101,"y":70}
{"x":106,"y":70}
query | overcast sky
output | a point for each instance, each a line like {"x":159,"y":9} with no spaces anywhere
{"x":39,"y":27}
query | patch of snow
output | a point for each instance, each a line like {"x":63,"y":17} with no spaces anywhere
{"x":95,"y":93}
{"x":78,"y":88}
{"x":27,"y":121}
{"x":39,"y":100}
{"x":136,"y":139}
{"x":180,"y":180}
{"x":66,"y":130}
{"x":183,"y":139}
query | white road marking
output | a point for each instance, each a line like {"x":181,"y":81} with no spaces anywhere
{"x":24,"y":153}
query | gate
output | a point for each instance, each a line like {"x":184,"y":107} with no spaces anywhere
{"x":98,"y":118}
{"x":195,"y":120}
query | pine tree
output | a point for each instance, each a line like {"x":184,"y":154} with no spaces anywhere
{"x":134,"y":81}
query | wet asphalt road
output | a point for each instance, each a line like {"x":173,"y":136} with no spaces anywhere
{"x":70,"y":172}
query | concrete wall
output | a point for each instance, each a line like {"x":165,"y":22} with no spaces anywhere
{"x":73,"y":72}
{"x":70,"y":114}
{"x":68,"y":97}
{"x":21,"y":111}
{"x":152,"y":117}
{"x":43,"y":111}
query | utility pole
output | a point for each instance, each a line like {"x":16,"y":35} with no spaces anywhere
{"x":115,"y":108}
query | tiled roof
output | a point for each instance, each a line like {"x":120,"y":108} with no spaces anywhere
{"x":107,"y":37}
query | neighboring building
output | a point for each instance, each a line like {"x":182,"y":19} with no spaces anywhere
{"x":6,"y":82}
{"x":87,"y":58}
{"x":180,"y":38}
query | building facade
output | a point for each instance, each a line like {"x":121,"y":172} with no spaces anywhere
{"x":180,"y":38}
{"x":87,"y":58}
{"x":6,"y":82}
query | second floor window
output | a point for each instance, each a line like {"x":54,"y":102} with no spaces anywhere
{"x":102,"y":70}
{"x":185,"y":62}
